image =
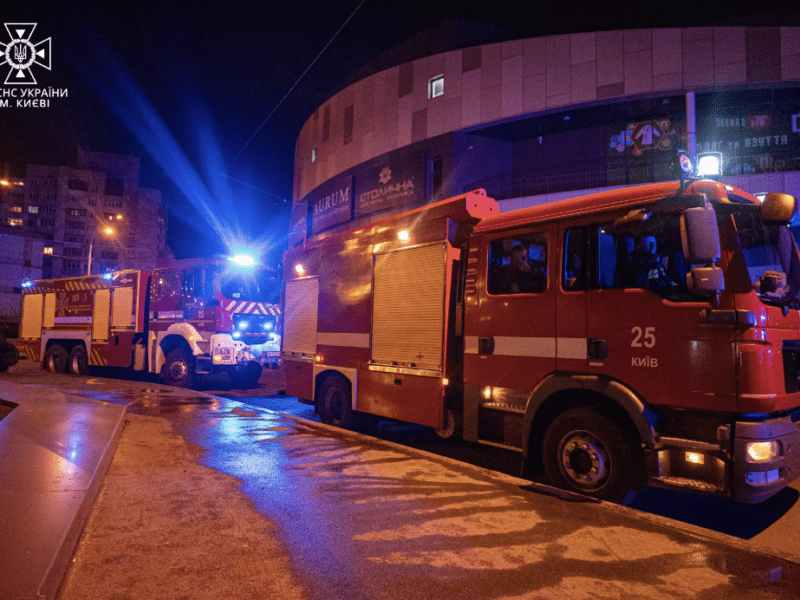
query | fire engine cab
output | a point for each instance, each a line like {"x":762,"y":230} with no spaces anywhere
{"x":645,"y":334}
{"x":185,"y":319}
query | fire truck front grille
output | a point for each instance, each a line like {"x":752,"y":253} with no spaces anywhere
{"x":791,"y":365}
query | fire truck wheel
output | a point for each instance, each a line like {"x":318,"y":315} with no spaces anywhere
{"x":178,"y":369}
{"x":335,"y":403}
{"x":78,"y":361}
{"x":586,"y":452}
{"x":249,"y":376}
{"x":55,"y":359}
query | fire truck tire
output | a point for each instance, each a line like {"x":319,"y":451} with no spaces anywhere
{"x":77,"y":361}
{"x":335,"y":403}
{"x":178,"y":369}
{"x":584,"y":451}
{"x":55,"y":359}
{"x":248,"y":378}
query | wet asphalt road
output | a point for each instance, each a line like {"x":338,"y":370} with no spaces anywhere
{"x":362,"y":518}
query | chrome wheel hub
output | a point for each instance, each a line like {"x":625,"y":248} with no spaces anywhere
{"x":583,"y":459}
{"x":178,"y":370}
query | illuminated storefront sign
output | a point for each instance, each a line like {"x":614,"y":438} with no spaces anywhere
{"x":756,"y":131}
{"x":331,"y":203}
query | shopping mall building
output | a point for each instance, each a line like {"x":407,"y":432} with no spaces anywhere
{"x":539,"y":119}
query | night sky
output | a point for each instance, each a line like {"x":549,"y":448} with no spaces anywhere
{"x":185,"y":85}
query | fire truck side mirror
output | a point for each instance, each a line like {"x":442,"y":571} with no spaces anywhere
{"x":701,"y":247}
{"x":778,"y":209}
{"x":700,"y":235}
{"x":705,"y":281}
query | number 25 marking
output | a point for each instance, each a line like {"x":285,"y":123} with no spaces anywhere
{"x":649,"y":337}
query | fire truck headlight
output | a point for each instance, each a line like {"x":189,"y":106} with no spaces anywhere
{"x":759,"y":452}
{"x":243,"y":260}
{"x":268,"y":326}
{"x":243,"y":325}
{"x":237,"y":334}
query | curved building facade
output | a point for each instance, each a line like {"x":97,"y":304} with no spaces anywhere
{"x":538,"y":119}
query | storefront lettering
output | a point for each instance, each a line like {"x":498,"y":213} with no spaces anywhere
{"x":333,"y":200}
{"x":394,"y":190}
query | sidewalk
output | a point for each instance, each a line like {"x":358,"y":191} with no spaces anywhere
{"x":165,"y":526}
{"x":54,"y":451}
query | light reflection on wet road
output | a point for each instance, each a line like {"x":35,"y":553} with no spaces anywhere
{"x":361,"y":519}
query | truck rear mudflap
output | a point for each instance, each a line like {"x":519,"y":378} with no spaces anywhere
{"x":766,"y":456}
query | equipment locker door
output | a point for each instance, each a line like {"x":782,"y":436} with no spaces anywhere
{"x":120,"y":347}
{"x":100,"y":314}
{"x":299,"y":339}
{"x":409,"y":321}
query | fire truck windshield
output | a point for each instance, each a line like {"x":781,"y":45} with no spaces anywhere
{"x":770,"y":253}
{"x":255,"y":287}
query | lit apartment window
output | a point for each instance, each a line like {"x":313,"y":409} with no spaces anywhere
{"x":314,"y":154}
{"x":435,"y":86}
{"x":48,"y":249}
{"x":15,"y":222}
{"x":16,"y":209}
{"x":33,"y":209}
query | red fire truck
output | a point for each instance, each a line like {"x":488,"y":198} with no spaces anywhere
{"x":646,"y":334}
{"x":185,"y":319}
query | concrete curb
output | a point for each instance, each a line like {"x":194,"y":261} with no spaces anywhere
{"x":54,"y":577}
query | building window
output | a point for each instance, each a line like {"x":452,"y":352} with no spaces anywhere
{"x":326,"y":124}
{"x":314,"y":154}
{"x":78,"y":184}
{"x":348,"y":125}
{"x":435,"y":167}
{"x":16,"y":209}
{"x":33,"y":209}
{"x":15,"y":222}
{"x":48,"y":249}
{"x":436,"y":86}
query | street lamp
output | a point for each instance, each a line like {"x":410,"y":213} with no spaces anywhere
{"x":107,"y":231}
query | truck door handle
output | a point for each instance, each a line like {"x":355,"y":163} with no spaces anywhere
{"x":597,"y":349}
{"x":486,"y":345}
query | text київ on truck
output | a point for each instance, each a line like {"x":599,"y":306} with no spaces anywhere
{"x":647,"y":334}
